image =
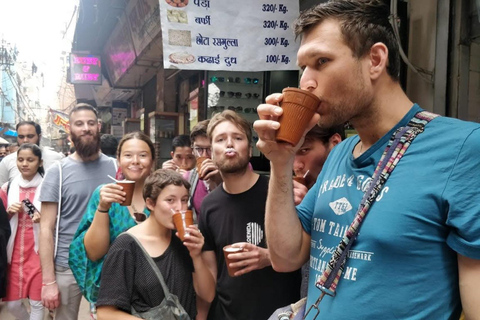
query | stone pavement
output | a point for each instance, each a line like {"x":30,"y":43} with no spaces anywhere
{"x":84,"y":313}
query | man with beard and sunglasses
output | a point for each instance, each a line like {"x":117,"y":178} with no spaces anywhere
{"x":27,"y":132}
{"x":233,"y":214}
{"x":80,"y":174}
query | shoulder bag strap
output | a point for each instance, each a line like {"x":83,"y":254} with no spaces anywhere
{"x":396,"y":148}
{"x":166,"y":292}
{"x":59,"y":206}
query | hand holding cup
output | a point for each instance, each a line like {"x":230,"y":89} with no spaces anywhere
{"x":182,"y":219}
{"x":270,"y":115}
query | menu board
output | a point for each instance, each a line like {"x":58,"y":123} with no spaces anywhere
{"x":231,"y":35}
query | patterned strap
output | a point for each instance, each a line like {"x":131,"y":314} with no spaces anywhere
{"x":396,"y":148}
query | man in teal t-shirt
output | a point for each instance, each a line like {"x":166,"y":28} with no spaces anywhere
{"x":417,"y":254}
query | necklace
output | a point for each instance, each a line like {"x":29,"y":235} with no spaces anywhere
{"x":138,"y":216}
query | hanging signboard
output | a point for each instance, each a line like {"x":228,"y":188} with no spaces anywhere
{"x":85,"y":69}
{"x":119,"y":51}
{"x":143,"y":16}
{"x":247,"y":35}
{"x":60,"y":120}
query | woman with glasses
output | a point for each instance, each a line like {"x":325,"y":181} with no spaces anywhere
{"x":105,"y":218}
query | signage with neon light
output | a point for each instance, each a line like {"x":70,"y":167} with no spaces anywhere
{"x":85,"y":69}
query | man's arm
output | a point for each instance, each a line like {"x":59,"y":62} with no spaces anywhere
{"x":210,"y":260}
{"x":288,"y":243}
{"x":50,"y":293}
{"x":469,"y":282}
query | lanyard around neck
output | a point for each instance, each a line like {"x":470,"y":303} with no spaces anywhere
{"x":396,"y":148}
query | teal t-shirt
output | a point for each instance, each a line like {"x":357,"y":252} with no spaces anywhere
{"x":403,"y":264}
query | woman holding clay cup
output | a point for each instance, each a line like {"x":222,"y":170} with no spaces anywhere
{"x":106,"y":218}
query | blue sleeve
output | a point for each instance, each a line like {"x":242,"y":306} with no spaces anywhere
{"x":85,"y":271}
{"x":462,"y":193}
{"x":306,"y":208}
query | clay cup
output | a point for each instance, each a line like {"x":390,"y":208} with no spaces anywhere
{"x":199,"y":164}
{"x":128,"y":187}
{"x":299,"y":106}
{"x":226,"y":251}
{"x":301,"y":180}
{"x":182,"y":219}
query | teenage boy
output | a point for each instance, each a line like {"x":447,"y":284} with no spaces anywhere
{"x":182,"y":155}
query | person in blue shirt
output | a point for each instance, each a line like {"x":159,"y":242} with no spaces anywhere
{"x":417,"y":255}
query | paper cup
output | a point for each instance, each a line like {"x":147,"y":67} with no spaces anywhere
{"x":199,"y":164}
{"x":182,"y":219}
{"x":226,"y":251}
{"x":299,"y":106}
{"x":128,"y":187}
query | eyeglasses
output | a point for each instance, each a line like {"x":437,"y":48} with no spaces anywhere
{"x":199,"y":151}
{"x":250,"y":110}
{"x":249,"y":95}
{"x":140,"y":216}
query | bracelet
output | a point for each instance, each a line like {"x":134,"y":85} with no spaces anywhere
{"x":104,"y":211}
{"x":49,"y":284}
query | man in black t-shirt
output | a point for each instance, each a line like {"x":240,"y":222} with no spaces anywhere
{"x":234,"y":214}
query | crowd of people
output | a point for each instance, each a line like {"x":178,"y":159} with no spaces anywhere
{"x":64,"y":233}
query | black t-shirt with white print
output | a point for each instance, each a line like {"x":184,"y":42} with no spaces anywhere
{"x":230,"y":218}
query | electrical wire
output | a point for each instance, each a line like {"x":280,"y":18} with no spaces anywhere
{"x":424,"y":74}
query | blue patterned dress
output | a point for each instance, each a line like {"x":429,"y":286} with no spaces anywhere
{"x":86,"y":272}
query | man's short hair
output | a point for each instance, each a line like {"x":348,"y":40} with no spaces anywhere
{"x":180,"y":141}
{"x":159,"y":179}
{"x":362,"y":23}
{"x":199,"y":130}
{"x":233,"y":117}
{"x":108,"y":144}
{"x":83,"y":106}
{"x":324,"y":135}
{"x":37,"y":127}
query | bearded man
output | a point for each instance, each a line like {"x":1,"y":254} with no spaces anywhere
{"x":77,"y":176}
{"x":233,"y":214}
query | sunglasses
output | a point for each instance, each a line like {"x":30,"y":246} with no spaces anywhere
{"x":249,"y":95}
{"x":218,"y":108}
{"x":236,"y":80}
{"x":217,"y":79}
{"x":250,"y":80}
{"x":140,"y":216}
